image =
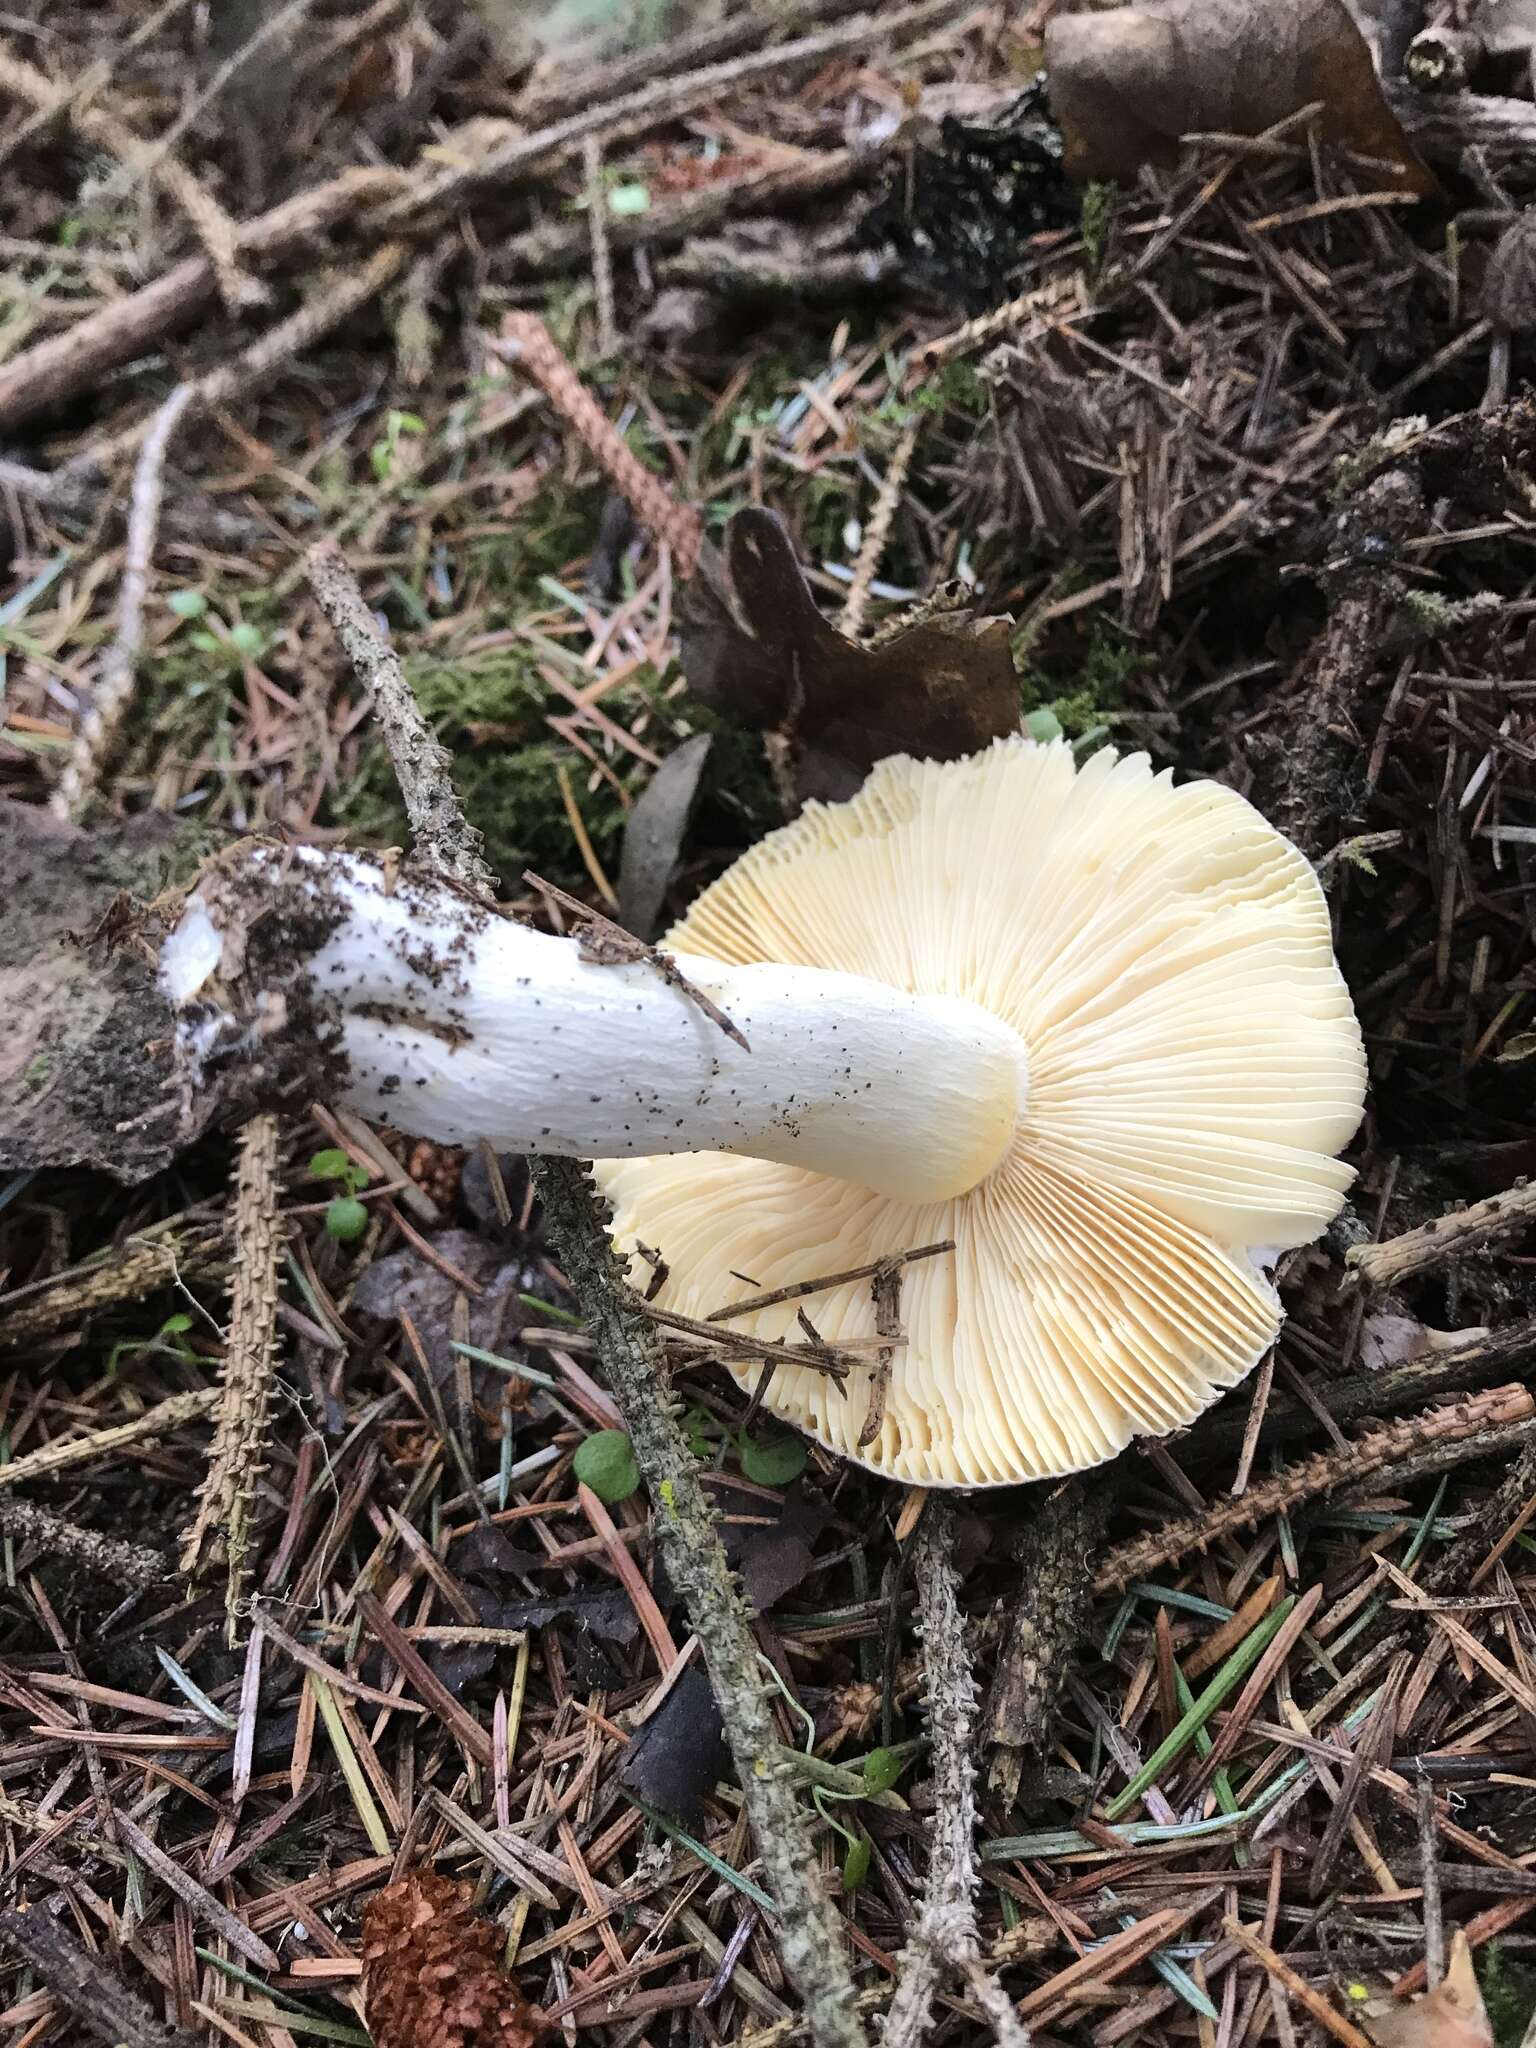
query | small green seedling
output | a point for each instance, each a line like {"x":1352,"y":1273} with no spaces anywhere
{"x":345,"y":1217}
{"x":385,"y":452}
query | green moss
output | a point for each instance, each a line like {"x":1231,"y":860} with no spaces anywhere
{"x":1509,"y":1993}
{"x":1097,"y":218}
{"x":1086,"y":688}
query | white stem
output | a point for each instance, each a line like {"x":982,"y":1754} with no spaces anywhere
{"x":456,"y":1024}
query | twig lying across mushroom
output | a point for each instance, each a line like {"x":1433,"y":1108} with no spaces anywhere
{"x":1084,"y":1023}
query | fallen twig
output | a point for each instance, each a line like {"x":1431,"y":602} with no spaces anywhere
{"x":80,"y":1450}
{"x":526,"y":341}
{"x":220,"y":1531}
{"x":103,"y":717}
{"x":96,"y":124}
{"x":129,"y":1564}
{"x":656,"y":101}
{"x":945,"y":1939}
{"x":123,"y":328}
{"x":1490,"y":1355}
{"x":1445,"y":1238}
{"x":83,"y":1983}
{"x":1040,"y":1628}
{"x":421,"y":763}
{"x":269,"y":352}
{"x":808,"y":1932}
{"x":1457,"y":1424}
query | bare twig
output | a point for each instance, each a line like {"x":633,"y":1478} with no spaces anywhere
{"x":129,"y":1272}
{"x":797,"y":1290}
{"x":1445,"y":1238}
{"x":275,"y":24}
{"x":808,"y":1930}
{"x":77,"y":358}
{"x":610,"y":945}
{"x":92,"y":79}
{"x":128,"y":1564}
{"x":1040,"y":1629}
{"x":270,"y":352}
{"x":886,"y":1289}
{"x":81,"y":1450}
{"x":82,"y":1983}
{"x":659,"y":100}
{"x":602,"y":258}
{"x":421,"y":763}
{"x":1486,"y":1356}
{"x":103,"y":718}
{"x":1459,"y":1423}
{"x":212,"y":225}
{"x":945,"y":1940}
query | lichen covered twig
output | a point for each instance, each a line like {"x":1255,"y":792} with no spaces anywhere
{"x":945,"y":1940}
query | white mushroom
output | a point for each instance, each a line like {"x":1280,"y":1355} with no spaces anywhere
{"x":1084,"y":1022}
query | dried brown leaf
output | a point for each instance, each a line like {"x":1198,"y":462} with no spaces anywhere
{"x":756,"y":648}
{"x":430,"y":1973}
{"x":1127,"y":84}
{"x":1451,"y":2016}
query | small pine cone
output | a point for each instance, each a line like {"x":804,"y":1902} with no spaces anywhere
{"x":430,"y":1974}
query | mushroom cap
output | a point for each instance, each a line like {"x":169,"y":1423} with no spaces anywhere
{"x":1194,"y":1064}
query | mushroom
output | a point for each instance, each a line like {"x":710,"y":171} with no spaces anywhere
{"x":1082,"y":1021}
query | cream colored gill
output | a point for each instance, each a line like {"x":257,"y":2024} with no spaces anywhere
{"x":1194,"y":1065}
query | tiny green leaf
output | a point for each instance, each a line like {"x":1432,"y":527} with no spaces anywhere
{"x":606,"y":1463}
{"x":882,"y":1767}
{"x":175,"y":1325}
{"x":856,"y":1864}
{"x":346,"y":1219}
{"x":630,"y":198}
{"x":246,"y":638}
{"x":773,"y":1460}
{"x":1043,"y":725}
{"x":330,"y":1164}
{"x":187,"y":604}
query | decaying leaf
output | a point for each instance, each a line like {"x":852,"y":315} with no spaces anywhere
{"x":1453,"y":2015}
{"x":430,"y":1972}
{"x":1128,"y":83}
{"x":674,"y":1759}
{"x":776,"y":1559}
{"x":653,"y":837}
{"x":756,"y":648}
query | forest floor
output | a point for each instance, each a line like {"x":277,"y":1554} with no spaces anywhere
{"x":1257,"y":1721}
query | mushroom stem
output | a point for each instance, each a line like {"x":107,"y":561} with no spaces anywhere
{"x":417,"y":1005}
